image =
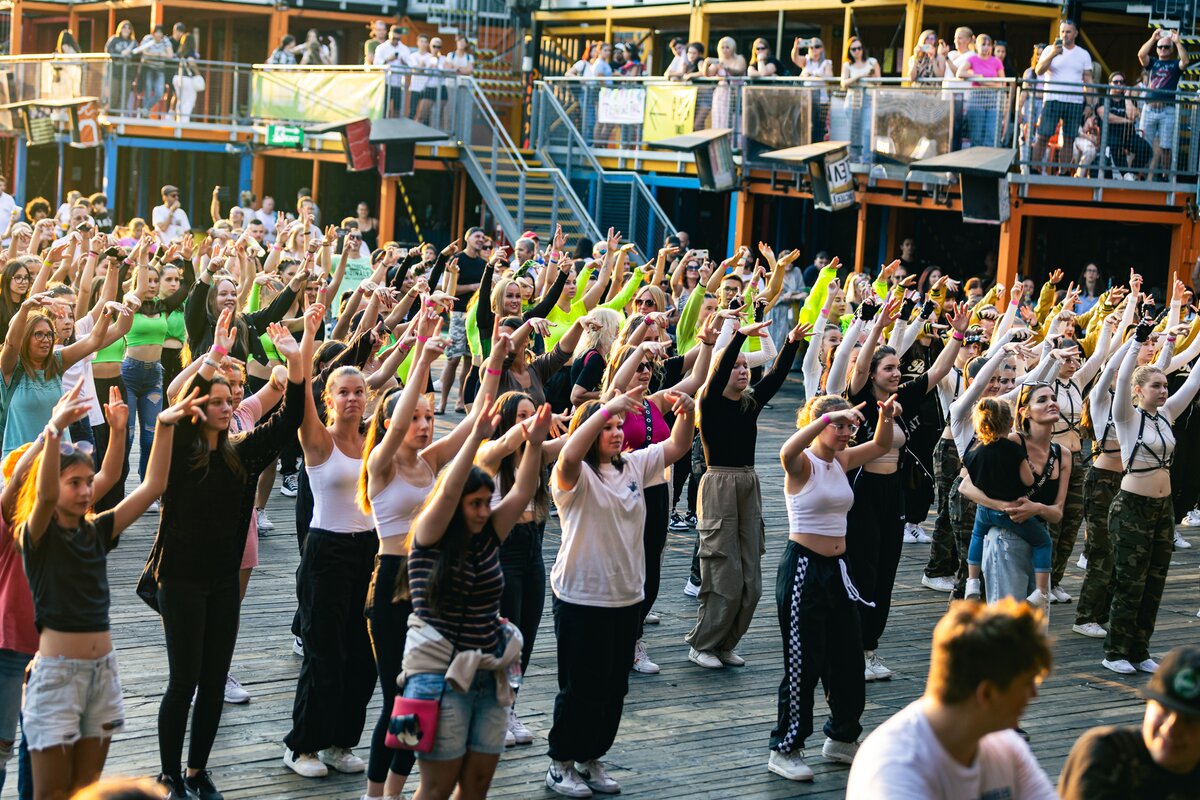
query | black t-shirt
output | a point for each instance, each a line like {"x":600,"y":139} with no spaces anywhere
{"x":68,"y":574}
{"x":909,"y":395}
{"x":779,"y":69}
{"x":104,"y":222}
{"x":995,"y":469}
{"x":588,"y":371}
{"x":1112,"y":763}
{"x":470,"y":270}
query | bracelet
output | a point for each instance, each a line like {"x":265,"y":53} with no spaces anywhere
{"x":219,"y":350}
{"x":208,"y":362}
{"x":491,"y":371}
{"x":825,"y":418}
{"x":276,"y":247}
{"x":51,"y":432}
{"x":958,"y":336}
{"x":605,"y":412}
{"x":1015,"y":303}
{"x":824,"y":312}
{"x":93,"y":253}
{"x":422,"y":338}
{"x":1170,"y":338}
{"x":129,"y":262}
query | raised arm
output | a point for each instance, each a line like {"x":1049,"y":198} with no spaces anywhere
{"x":580,"y":441}
{"x":430,"y":524}
{"x":1122,"y":408}
{"x":428,"y":348}
{"x":510,"y":508}
{"x":69,"y":410}
{"x":1183,"y":396}
{"x":883,"y":317}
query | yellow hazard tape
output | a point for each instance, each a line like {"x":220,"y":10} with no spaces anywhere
{"x":412,"y":216}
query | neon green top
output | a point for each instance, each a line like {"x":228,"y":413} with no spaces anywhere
{"x":147,"y":330}
{"x":253,"y":302}
{"x":565,"y":319}
{"x":114,"y":353}
{"x":175,"y":325}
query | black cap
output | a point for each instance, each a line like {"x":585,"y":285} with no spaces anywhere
{"x":1176,"y":684}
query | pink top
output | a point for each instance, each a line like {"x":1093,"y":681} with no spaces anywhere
{"x":634,"y":427}
{"x":244,"y":418}
{"x":989,"y":67}
{"x":17,"y":631}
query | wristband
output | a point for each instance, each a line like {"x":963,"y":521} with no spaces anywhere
{"x":491,"y":371}
{"x":276,"y":247}
{"x":422,"y":338}
{"x":607,"y":414}
{"x":93,"y":253}
{"x":51,"y":432}
{"x":1015,"y":303}
{"x":825,"y":418}
{"x":219,"y":350}
{"x":129,"y":262}
{"x":211,"y":363}
{"x":824,"y":312}
{"x":1170,"y":338}
{"x":958,"y":336}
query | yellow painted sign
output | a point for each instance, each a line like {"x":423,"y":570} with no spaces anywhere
{"x":670,"y":111}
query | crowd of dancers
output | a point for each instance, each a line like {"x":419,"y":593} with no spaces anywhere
{"x":590,"y":390}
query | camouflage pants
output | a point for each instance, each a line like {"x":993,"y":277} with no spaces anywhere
{"x":1066,"y":532}
{"x":1141,"y":529}
{"x":962,"y":518}
{"x":943,"y":554}
{"x":1099,"y":489}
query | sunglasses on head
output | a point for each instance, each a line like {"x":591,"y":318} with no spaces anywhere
{"x":84,"y":448}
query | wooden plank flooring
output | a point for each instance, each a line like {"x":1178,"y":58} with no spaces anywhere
{"x":687,"y":732}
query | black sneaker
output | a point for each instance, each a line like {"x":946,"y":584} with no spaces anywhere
{"x":176,"y":787}
{"x":692,"y":520}
{"x":678,"y":523}
{"x":290,"y":486}
{"x":201,"y":783}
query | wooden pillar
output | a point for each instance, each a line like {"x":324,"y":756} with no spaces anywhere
{"x":1009,"y":254}
{"x":914,"y":11}
{"x":698,"y":25}
{"x":16,"y":25}
{"x":608,"y":25}
{"x":258,"y":176}
{"x":112,"y":22}
{"x":743,"y":220}
{"x":860,"y":235}
{"x":847,"y":32}
{"x":315,"y":183}
{"x":277,"y":27}
{"x":73,"y":26}
{"x":157,"y":13}
{"x":387,"y":209}
{"x":1176,"y":262}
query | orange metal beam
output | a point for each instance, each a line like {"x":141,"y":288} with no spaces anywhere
{"x":16,"y":27}
{"x":860,"y":236}
{"x":1104,"y":214}
{"x":1009,"y":253}
{"x":387,"y":209}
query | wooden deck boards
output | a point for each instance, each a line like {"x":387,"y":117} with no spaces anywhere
{"x":687,"y":732}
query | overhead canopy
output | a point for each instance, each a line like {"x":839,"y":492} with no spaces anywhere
{"x":691,"y":141}
{"x":332,"y":127}
{"x":984,"y":162}
{"x":805,"y":152}
{"x":48,"y":103}
{"x":395,"y":131}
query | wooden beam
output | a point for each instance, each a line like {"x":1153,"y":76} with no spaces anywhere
{"x":215,"y":5}
{"x":698,"y":24}
{"x":914,"y":11}
{"x":258,"y":176}
{"x":387,"y":209}
{"x":157,"y":13}
{"x":627,"y":12}
{"x":1104,"y":214}
{"x":1008,"y":256}
{"x":847,"y":32}
{"x":1094,"y":50}
{"x":314,"y":183}
{"x":1013,"y":10}
{"x":860,"y":235}
{"x":16,"y":27}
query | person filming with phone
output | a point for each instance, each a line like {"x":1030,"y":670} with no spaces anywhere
{"x":1066,"y":66}
{"x":1165,"y":59}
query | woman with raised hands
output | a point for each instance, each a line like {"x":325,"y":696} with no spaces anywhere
{"x":822,"y":634}
{"x":73,"y":693}
{"x":875,"y":531}
{"x":732,"y":534}
{"x":192,"y":573}
{"x":1141,"y":520}
{"x":598,"y":579}
{"x":459,"y":649}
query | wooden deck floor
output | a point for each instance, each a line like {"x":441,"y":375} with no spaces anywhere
{"x":687,"y":732}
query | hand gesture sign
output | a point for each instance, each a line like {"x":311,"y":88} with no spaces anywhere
{"x":189,"y":407}
{"x":116,"y":413}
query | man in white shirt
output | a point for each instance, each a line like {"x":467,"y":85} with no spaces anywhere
{"x":393,"y":54}
{"x":266,"y":215}
{"x":8,"y":205}
{"x":169,"y":219}
{"x":957,"y":742}
{"x":1066,"y":66}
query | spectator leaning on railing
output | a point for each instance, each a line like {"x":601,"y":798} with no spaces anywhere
{"x":1065,"y":66}
{"x":1164,"y":58}
{"x":379,"y":35}
{"x":929,"y":58}
{"x":282,"y":55}
{"x":763,"y":64}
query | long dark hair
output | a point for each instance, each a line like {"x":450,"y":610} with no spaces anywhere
{"x":197,"y":444}
{"x":582,"y":415}
{"x":7,"y":307}
{"x":509,"y":403}
{"x":452,"y":548}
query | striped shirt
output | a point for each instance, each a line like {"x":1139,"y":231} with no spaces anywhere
{"x":470,"y":615}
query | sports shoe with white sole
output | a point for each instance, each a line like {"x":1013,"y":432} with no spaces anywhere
{"x":596,"y":777}
{"x":790,"y":765}
{"x":839,"y":751}
{"x":562,"y":778}
{"x":343,"y":760}
{"x":510,"y":738}
{"x":974,"y":589}
{"x":306,"y":765}
{"x":704,"y":659}
{"x":1038,"y":599}
{"x":1191,"y":519}
{"x":692,"y":519}
{"x":641,"y":661}
{"x":940,"y":584}
{"x":1082,"y":562}
{"x":520,"y":733}
{"x":874,"y":665}
{"x":1120,"y":666}
{"x":691,"y":589}
{"x":1092,"y":630}
{"x":910,"y":537}
{"x":298,"y":646}
{"x":234,"y":693}
{"x":289,"y":486}
{"x":730,"y":658}
{"x":922,"y":536}
{"x":1058,"y":595}
{"x":1182,"y":543}
{"x":1149,"y":665}
{"x":652,"y":618}
{"x":264,"y":522}
{"x":677,"y":523}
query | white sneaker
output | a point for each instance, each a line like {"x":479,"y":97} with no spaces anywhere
{"x":839,"y":751}
{"x":1038,"y":599}
{"x":153,"y":509}
{"x":1120,"y":666}
{"x":730,"y":658}
{"x":1191,"y":519}
{"x":704,"y":659}
{"x":1180,"y":542}
{"x":677,"y":523}
{"x":691,"y":589}
{"x":234,"y":693}
{"x":922,"y":536}
{"x":641,"y":661}
{"x":596,"y":777}
{"x":306,"y":765}
{"x":1082,"y":562}
{"x":1149,"y":665}
{"x":1093,"y":630}
{"x":510,"y":738}
{"x":1058,"y":595}
{"x":652,"y":618}
{"x":874,"y":665}
{"x":942,"y":584}
{"x":790,"y":765}
{"x":264,"y":522}
{"x":298,"y":646}
{"x":289,"y":486}
{"x":910,"y":536}
{"x":561,"y":777}
{"x":521,"y":734}
{"x":343,"y":759}
{"x":974,"y":588}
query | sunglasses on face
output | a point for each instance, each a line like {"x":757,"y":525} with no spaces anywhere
{"x":843,"y":427}
{"x":855,"y":49}
{"x":646,"y":301}
{"x":760,"y":48}
{"x":645,"y":366}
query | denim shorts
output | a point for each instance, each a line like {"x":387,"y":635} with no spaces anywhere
{"x":68,"y":699}
{"x":1158,"y":125}
{"x":473,"y":720}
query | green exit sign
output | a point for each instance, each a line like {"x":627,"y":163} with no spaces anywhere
{"x":284,"y":136}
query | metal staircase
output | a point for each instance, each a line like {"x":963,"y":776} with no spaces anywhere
{"x":497,"y":37}
{"x":617,"y":199}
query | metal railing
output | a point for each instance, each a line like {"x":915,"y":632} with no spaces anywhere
{"x":520,"y":196}
{"x":617,"y":199}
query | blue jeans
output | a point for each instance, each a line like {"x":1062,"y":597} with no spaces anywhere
{"x":1032,"y":530}
{"x":143,"y":394}
{"x":982,"y":117}
{"x":154,"y":83}
{"x":12,"y":679}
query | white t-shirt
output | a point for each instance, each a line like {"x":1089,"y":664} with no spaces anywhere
{"x":954,"y":60}
{"x":83,"y":327}
{"x":903,"y":760}
{"x":7,"y":206}
{"x":1068,"y":68}
{"x":602,"y":561}
{"x":178,"y":223}
{"x":418,"y":60}
{"x":393,"y":56}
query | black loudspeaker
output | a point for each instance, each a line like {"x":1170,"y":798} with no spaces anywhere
{"x":397,"y":158}
{"x":983,"y":178}
{"x":984,"y":198}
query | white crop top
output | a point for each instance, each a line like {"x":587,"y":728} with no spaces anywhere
{"x":334,"y":485}
{"x":394,"y":506}
{"x":821,"y":506}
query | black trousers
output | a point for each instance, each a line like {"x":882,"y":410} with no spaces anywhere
{"x":117,"y":493}
{"x":918,"y":489}
{"x":200,"y":622}
{"x":338,"y":676}
{"x":822,"y":641}
{"x":654,"y":541}
{"x":683,"y":476}
{"x":1185,"y":468}
{"x":524,"y":597}
{"x":874,"y":536}
{"x":387,"y":625}
{"x":172,"y":364}
{"x":595,"y":653}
